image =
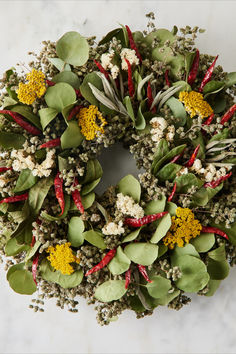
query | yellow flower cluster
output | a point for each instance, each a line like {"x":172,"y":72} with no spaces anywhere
{"x":88,"y":121}
{"x":195,"y":105}
{"x":36,"y":87}
{"x":183,"y":228}
{"x":60,"y":258}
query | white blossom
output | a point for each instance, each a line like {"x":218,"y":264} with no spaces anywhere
{"x":127,"y":206}
{"x":130,"y":55}
{"x":113,"y":229}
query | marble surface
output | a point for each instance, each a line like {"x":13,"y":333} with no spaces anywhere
{"x":207,"y":325}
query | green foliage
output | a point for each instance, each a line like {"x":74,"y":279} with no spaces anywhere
{"x":141,"y":253}
{"x":159,"y":287}
{"x":26,"y":112}
{"x":69,"y":77}
{"x":11,"y":140}
{"x":185,"y":182}
{"x":72,"y":136}
{"x":85,"y":89}
{"x":178,"y":111}
{"x":21,"y":281}
{"x":47,"y":115}
{"x":12,"y":247}
{"x":166,"y":157}
{"x":163,"y":225}
{"x":120,"y":263}
{"x":110,"y":290}
{"x":213,"y":87}
{"x":25,"y":181}
{"x":204,"y":242}
{"x":204,"y":195}
{"x":155,"y":206}
{"x":49,"y":217}
{"x":38,"y":193}
{"x":168,"y":172}
{"x":230,"y":79}
{"x":93,"y":171}
{"x":59,"y":96}
{"x":130,"y":186}
{"x":132,"y":236}
{"x":75,"y":231}
{"x":95,"y":238}
{"x":217,"y":266}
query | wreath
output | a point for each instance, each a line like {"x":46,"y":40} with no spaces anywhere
{"x":145,"y":242}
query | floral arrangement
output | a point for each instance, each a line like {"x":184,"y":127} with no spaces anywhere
{"x":145,"y":242}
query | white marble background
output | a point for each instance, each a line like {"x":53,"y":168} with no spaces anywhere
{"x":207,"y":325}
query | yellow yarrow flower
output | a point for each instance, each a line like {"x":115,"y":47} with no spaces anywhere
{"x":60,"y":258}
{"x":195,"y":104}
{"x":88,"y":121}
{"x":184,"y":227}
{"x":36,"y":87}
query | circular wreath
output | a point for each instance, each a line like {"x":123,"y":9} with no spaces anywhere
{"x":144,"y":242}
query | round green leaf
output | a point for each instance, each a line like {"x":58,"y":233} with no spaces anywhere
{"x":213,"y":285}
{"x":22,"y":282}
{"x":171,"y":208}
{"x":14,"y":268}
{"x":120,"y":263}
{"x":132,"y":236}
{"x":87,"y":188}
{"x":165,"y":300}
{"x":75,"y":231}
{"x":130,"y":186}
{"x":194,"y":273}
{"x":163,"y":226}
{"x":110,"y":290}
{"x":178,"y":111}
{"x":25,"y":181}
{"x":218,"y":270}
{"x":95,"y":238}
{"x":72,"y":136}
{"x":69,"y":77}
{"x":141,"y":253}
{"x":12,"y":247}
{"x":155,"y":206}
{"x":11,"y":140}
{"x":185,"y":182}
{"x":85,"y":89}
{"x":60,"y":95}
{"x":73,"y":49}
{"x":159,"y":286}
{"x":204,"y":242}
{"x":188,"y":249}
{"x":47,"y":115}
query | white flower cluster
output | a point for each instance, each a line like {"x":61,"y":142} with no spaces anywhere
{"x":159,"y":125}
{"x":127,"y":206}
{"x":113,"y":229}
{"x":210,"y":173}
{"x":126,"y":53}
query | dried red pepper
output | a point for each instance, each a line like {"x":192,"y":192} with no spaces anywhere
{"x":177,"y":157}
{"x":172,"y":193}
{"x":4,"y":169}
{"x":145,"y":220}
{"x":130,"y":80}
{"x":194,"y":68}
{"x":127,"y":278}
{"x":73,"y":112}
{"x":167,"y":78}
{"x":190,"y":162}
{"x":106,"y":259}
{"x":216,"y":183}
{"x":150,"y":97}
{"x":143,"y":271}
{"x":101,"y":68}
{"x":34,"y":267}
{"x":132,"y":43}
{"x":208,"y":75}
{"x":209,"y":120}
{"x":76,"y":197}
{"x":226,"y":117}
{"x":21,"y":122}
{"x":58,"y":185}
{"x":33,"y":242}
{"x":16,"y":198}
{"x":51,"y":143}
{"x":214,"y":230}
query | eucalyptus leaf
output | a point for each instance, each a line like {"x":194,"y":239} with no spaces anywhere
{"x":60,"y":64}
{"x":26,"y":112}
{"x":168,"y":172}
{"x":87,"y":188}
{"x":130,"y":186}
{"x":14,"y":268}
{"x":159,"y":286}
{"x":204,"y":195}
{"x":204,"y":242}
{"x":163,"y":225}
{"x":132,"y":236}
{"x":171,"y":208}
{"x":21,"y":281}
{"x":93,"y":171}
{"x":120,"y":263}
{"x":212,"y":87}
{"x":69,"y":77}
{"x":218,"y":270}
{"x":230,"y":79}
{"x":13,"y":248}
{"x":212,"y":285}
{"x":38,"y":193}
{"x":59,"y":96}
{"x":72,"y":136}
{"x":75,"y":231}
{"x":165,"y":300}
{"x":168,"y":156}
{"x":141,"y":253}
{"x":25,"y":181}
{"x":185,"y":182}
{"x":47,"y":115}
{"x":110,"y":290}
{"x":86,"y":91}
{"x":95,"y":238}
{"x":110,"y":35}
{"x":86,"y":200}
{"x":11,"y":140}
{"x":31,"y":252}
{"x":155,"y":206}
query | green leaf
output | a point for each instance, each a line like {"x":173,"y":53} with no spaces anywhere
{"x":86,"y":91}
{"x":185,"y":182}
{"x":64,"y":280}
{"x":159,"y":286}
{"x":60,"y":64}
{"x":120,"y":263}
{"x":26,"y":112}
{"x":49,"y":217}
{"x":140,"y":123}
{"x":204,"y":195}
{"x":14,"y":268}
{"x":69,"y":77}
{"x":218,"y":270}
{"x":12,"y":247}
{"x":163,"y":226}
{"x":132,"y":236}
{"x":178,"y":111}
{"x":93,"y":171}
{"x":59,"y":96}
{"x":8,"y":102}
{"x":130,"y":186}
{"x":189,"y":58}
{"x":218,"y":102}
{"x":188,"y":249}
{"x":21,"y":281}
{"x":194,"y":273}
{"x":23,"y":232}
{"x":110,"y":35}
{"x":168,"y":156}
{"x":31,"y":252}
{"x":95,"y":238}
{"x":213,"y":87}
{"x":87,"y":188}
{"x":66,"y":111}
{"x":141,"y":253}
{"x":86,"y":200}
{"x":231,"y":232}
{"x":73,"y":49}
{"x":47,"y":115}
{"x":199,"y":140}
{"x":162,"y":150}
{"x":38,"y":193}
{"x":155,"y":206}
{"x":168,"y":172}
{"x":11,"y":140}
{"x":218,"y":254}
{"x":171,"y":208}
{"x":212,"y":285}
{"x":204,"y":242}
{"x":162,"y":249}
{"x":230,"y":79}
{"x":75,"y":231}
{"x":129,"y":107}
{"x":72,"y":136}
{"x":110,"y":290}
{"x":165,"y":300}
{"x":25,"y":181}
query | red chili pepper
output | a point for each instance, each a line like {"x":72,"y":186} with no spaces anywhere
{"x":51,"y":143}
{"x":77,"y":198}
{"x":130,"y":80}
{"x":208,"y":75}
{"x":16,"y":198}
{"x":34,"y":267}
{"x":58,"y":185}
{"x":172,"y":193}
{"x":150,"y":97}
{"x":4,"y":169}
{"x":214,"y":230}
{"x":19,"y":120}
{"x":216,"y":183}
{"x":73,"y":112}
{"x":132,"y":43}
{"x":127,"y":278}
{"x":209,"y":120}
{"x":145,"y":220}
{"x":143,"y":271}
{"x":33,"y":242}
{"x":101,"y":68}
{"x":106,"y":259}
{"x":190,"y":162}
{"x":228,"y":114}
{"x":194,"y":68}
{"x":177,"y":157}
{"x":167,"y":78}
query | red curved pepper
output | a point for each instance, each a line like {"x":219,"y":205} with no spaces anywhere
{"x":150,"y":97}
{"x":77,"y":198}
{"x":101,"y":68}
{"x":21,"y":122}
{"x":172,"y":193}
{"x":58,"y":185}
{"x":73,"y":112}
{"x":143,"y":271}
{"x":106,"y":259}
{"x":209,"y":120}
{"x":214,"y":230}
{"x":145,"y":220}
{"x":130,"y":80}
{"x":51,"y":143}
{"x":216,"y":183}
{"x":190,"y":162}
{"x":4,"y":169}
{"x":177,"y":157}
{"x":132,"y":43}
{"x":34,"y":267}
{"x":194,"y":68}
{"x":16,"y":198}
{"x":208,"y":75}
{"x":127,"y":278}
{"x":226,"y":117}
{"x":167,"y":78}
